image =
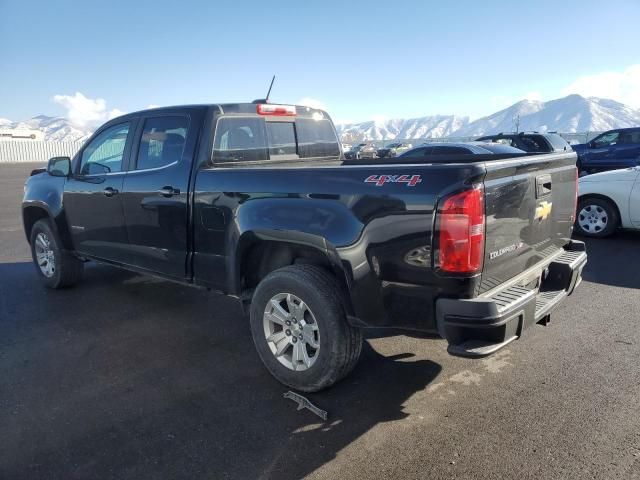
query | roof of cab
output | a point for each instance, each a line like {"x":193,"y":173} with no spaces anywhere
{"x":233,"y":108}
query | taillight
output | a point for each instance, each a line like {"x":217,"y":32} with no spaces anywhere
{"x":462,"y":220}
{"x":270,"y":109}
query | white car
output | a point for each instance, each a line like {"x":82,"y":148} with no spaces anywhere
{"x":608,"y":200}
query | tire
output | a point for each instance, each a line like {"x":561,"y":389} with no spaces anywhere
{"x":596,"y":217}
{"x":325,"y":324}
{"x":59,"y":268}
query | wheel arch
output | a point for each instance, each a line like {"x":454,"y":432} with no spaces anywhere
{"x":259,"y":253}
{"x":34,"y":211}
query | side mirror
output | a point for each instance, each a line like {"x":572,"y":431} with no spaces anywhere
{"x":59,"y":166}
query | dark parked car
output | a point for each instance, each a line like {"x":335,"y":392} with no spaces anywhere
{"x":530,"y":142}
{"x":394,"y":149}
{"x":451,"y":150}
{"x":610,"y":150}
{"x":255,"y":201}
{"x":361,"y":150}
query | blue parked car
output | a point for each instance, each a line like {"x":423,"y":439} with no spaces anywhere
{"x":610,"y":150}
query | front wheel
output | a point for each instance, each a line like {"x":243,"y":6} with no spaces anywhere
{"x":56,"y":267}
{"x":300,"y":330}
{"x":596,"y":218}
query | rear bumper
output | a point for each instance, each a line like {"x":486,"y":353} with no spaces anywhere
{"x":480,"y":326}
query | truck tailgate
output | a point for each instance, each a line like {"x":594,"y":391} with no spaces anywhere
{"x":530,"y":208}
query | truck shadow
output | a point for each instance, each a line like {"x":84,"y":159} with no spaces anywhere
{"x":614,"y":261}
{"x":126,"y":376}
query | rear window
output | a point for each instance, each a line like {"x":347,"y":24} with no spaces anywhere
{"x":533,"y":143}
{"x":417,"y":152}
{"x":502,"y":140}
{"x":500,"y":148}
{"x":241,"y":139}
{"x":557,"y":142}
{"x":282,"y":140}
{"x":316,"y":138}
{"x":450,"y":151}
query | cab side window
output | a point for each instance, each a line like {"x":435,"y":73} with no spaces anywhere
{"x":105,"y":152}
{"x":162,"y":141}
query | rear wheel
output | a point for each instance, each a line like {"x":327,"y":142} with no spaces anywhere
{"x":300,"y":330}
{"x":56,"y":267}
{"x":596,"y":217}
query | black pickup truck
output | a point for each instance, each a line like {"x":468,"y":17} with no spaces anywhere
{"x":256,"y":201}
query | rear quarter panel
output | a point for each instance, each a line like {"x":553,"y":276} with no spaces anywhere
{"x":378,"y":233}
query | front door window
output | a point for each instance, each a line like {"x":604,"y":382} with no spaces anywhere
{"x":105,"y":152}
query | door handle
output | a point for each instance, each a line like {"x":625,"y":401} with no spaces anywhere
{"x":110,"y":192}
{"x":169,"y":191}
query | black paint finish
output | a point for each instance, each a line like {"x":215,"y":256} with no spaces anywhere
{"x":378,"y":239}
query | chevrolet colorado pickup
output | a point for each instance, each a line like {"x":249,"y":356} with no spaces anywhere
{"x":254,"y":200}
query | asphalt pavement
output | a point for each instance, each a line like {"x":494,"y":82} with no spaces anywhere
{"x":126,"y":376}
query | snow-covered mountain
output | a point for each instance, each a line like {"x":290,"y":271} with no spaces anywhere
{"x":54,"y":128}
{"x":433,"y":126}
{"x":570,"y":114}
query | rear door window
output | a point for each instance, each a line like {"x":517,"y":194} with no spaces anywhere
{"x":162,"y":141}
{"x":630,"y":137}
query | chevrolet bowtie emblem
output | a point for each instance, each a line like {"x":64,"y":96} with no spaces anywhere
{"x":543,"y":210}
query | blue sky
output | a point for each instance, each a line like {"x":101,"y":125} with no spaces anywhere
{"x":360,"y":60}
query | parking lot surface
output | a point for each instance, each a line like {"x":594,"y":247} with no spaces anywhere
{"x":126,"y":376}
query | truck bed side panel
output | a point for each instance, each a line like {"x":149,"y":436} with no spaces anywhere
{"x":381,"y":232}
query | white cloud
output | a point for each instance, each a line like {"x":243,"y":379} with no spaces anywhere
{"x":622,"y":86}
{"x":153,"y":105}
{"x":311,"y":102}
{"x":83,"y":111}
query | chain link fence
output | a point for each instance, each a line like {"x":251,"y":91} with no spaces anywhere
{"x":35,"y":151}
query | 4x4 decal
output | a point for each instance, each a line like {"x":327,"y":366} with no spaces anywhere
{"x":380,"y":180}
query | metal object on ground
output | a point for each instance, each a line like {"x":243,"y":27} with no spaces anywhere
{"x":304,"y":403}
